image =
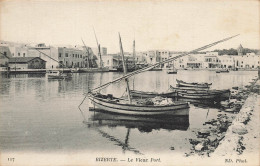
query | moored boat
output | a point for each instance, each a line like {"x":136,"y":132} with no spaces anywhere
{"x":58,"y":75}
{"x":202,"y":94}
{"x":172,"y":71}
{"x":116,"y":105}
{"x":193,"y":84}
{"x":222,"y":71}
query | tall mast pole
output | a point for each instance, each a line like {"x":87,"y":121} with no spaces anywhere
{"x":125,"y":69}
{"x":87,"y":50}
{"x":99,"y":52}
{"x":134,"y":51}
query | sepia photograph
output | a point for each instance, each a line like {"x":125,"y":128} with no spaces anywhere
{"x":142,"y":82}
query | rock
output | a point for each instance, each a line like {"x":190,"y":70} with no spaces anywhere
{"x":199,"y":147}
{"x":235,"y":87}
{"x":239,"y":128}
{"x":204,"y":131}
{"x":212,"y":138}
{"x":230,"y":109}
{"x":225,"y":104}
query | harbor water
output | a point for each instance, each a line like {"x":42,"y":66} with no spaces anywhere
{"x":42,"y":115}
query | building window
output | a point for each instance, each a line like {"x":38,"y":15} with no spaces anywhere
{"x":80,"y":56}
{"x":66,"y":55}
{"x":242,"y":62}
{"x":18,"y":53}
{"x":59,"y":54}
{"x":73,"y":55}
{"x":23,"y":54}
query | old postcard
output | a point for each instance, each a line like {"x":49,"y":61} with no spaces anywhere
{"x":142,"y":82}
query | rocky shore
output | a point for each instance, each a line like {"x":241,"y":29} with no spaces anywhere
{"x":235,"y":132}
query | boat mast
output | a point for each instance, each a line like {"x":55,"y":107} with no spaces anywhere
{"x":87,"y":51}
{"x":99,"y":52}
{"x":134,"y":51}
{"x":125,"y":69}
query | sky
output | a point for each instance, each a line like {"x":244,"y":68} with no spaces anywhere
{"x":169,"y":25}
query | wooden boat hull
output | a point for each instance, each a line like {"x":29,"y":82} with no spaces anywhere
{"x":142,"y":94}
{"x":93,"y":70}
{"x":62,"y":76}
{"x":210,"y":94}
{"x":189,"y":88}
{"x":143,"y":110}
{"x":171,"y":72}
{"x":196,"y":85}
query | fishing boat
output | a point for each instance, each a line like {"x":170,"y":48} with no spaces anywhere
{"x":222,"y":71}
{"x":116,"y":105}
{"x":202,"y":94}
{"x":172,"y":71}
{"x":74,"y":70}
{"x":142,"y":94}
{"x":183,"y":88}
{"x":193,"y":84}
{"x":156,"y":69}
{"x":212,"y":95}
{"x":108,"y":103}
{"x":58,"y":75}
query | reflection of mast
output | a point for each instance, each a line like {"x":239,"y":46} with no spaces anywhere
{"x":99,"y":52}
{"x":125,"y":146}
{"x":126,"y":139}
{"x":125,"y":69}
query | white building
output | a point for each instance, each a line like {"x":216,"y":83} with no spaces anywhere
{"x":227,"y":61}
{"x":248,"y":61}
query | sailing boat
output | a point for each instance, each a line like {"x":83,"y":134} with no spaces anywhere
{"x":172,"y":71}
{"x":128,"y":107}
{"x":101,"y":65}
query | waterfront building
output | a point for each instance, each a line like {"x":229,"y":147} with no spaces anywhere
{"x":226,"y":61}
{"x":71,"y":57}
{"x":26,"y":63}
{"x":211,"y":60}
{"x":112,"y":61}
{"x":48,"y":53}
{"x":248,"y":61}
{"x":5,"y":55}
{"x":140,"y":57}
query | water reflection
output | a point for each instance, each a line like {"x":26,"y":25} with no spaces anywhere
{"x":142,"y":123}
{"x":99,"y":119}
{"x":39,"y":114}
{"x":201,"y":103}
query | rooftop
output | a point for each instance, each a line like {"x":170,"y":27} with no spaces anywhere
{"x":22,"y":59}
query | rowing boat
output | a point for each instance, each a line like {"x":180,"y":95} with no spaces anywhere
{"x":193,"y":84}
{"x":200,"y":94}
{"x":119,"y":106}
{"x":58,"y":75}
